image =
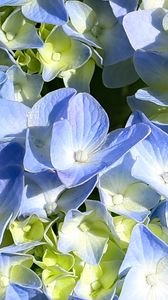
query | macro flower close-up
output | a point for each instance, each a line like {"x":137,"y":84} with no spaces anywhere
{"x":83,"y":150}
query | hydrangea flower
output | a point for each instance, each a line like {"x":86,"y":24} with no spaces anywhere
{"x":58,"y":274}
{"x":91,"y":232}
{"x":61,"y":53}
{"x":21,"y":87}
{"x":77,"y":144}
{"x":94,"y":23}
{"x":146,"y":266}
{"x":123,"y":194}
{"x":30,"y":229}
{"x":151,"y":165}
{"x":97,"y":282}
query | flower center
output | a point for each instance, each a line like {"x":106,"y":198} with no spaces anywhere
{"x":4,"y":281}
{"x":27,"y":228}
{"x":10,"y":36}
{"x":56,"y":56}
{"x":117,"y":199}
{"x":84,"y":227}
{"x":151,"y":279}
{"x":81,"y":156}
{"x":96,"y":285}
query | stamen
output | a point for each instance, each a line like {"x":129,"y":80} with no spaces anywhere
{"x":81,"y":156}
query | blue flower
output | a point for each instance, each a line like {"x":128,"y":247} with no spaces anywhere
{"x":145,"y":263}
{"x":122,"y":194}
{"x":151,"y":165}
{"x":69,"y":134}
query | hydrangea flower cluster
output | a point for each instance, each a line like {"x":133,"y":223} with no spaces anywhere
{"x":83,"y":209}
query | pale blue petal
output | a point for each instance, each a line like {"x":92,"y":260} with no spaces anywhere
{"x":46,"y":12}
{"x":89,"y":122}
{"x":37,"y":154}
{"x":120,"y":142}
{"x":137,"y":196}
{"x":122,"y":7}
{"x":50,"y":108}
{"x":62,"y":152}
{"x":13,"y":121}
{"x":152,"y":154}
{"x":135,"y":286}
{"x":147,"y":31}
{"x":144,"y":249}
{"x":44,"y":113}
{"x":20,"y":248}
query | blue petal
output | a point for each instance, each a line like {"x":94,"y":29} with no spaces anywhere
{"x":120,"y":142}
{"x":44,"y":113}
{"x":138,"y":197}
{"x":116,"y":45}
{"x":144,"y":248}
{"x":74,"y":197}
{"x":46,"y":12}
{"x":88,"y":120}
{"x":120,"y":74}
{"x":40,"y":193}
{"x":19,"y":293}
{"x":152,"y":155}
{"x":13,"y":121}
{"x":62,"y":152}
{"x":11,"y":188}
{"x":152,"y":68}
{"x":122,"y":7}
{"x":145,"y":30}
{"x":161,"y":212}
{"x":50,"y":108}
{"x":12,"y":2}
{"x":11,"y":154}
{"x":117,"y":144}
